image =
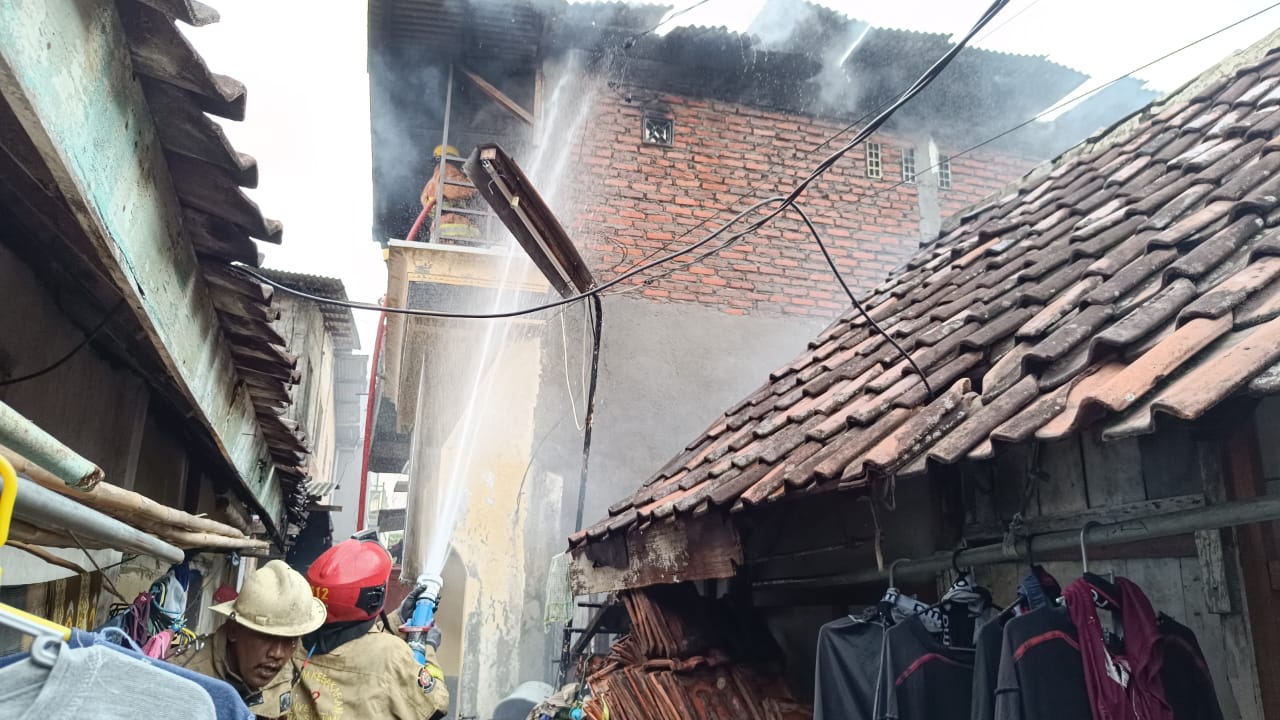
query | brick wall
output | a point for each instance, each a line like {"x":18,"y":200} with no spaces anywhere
{"x":633,"y":201}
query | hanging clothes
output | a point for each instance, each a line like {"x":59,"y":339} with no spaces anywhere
{"x":226,"y":701}
{"x":1038,"y":589}
{"x":1042,"y":671}
{"x":923,"y":678}
{"x":97,"y":682}
{"x":1119,"y":685}
{"x":845,"y":672}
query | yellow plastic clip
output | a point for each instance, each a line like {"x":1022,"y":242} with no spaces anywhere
{"x":8,"y":493}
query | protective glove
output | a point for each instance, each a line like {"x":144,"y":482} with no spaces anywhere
{"x":432,"y":637}
{"x":406,"y":605}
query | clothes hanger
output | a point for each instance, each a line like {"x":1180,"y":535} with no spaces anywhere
{"x":895,"y":605}
{"x":961,"y":605}
{"x":49,"y":636}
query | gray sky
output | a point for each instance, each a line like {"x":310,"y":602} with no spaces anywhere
{"x":308,"y":113}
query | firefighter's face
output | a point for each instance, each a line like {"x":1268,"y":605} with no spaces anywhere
{"x":257,"y":658}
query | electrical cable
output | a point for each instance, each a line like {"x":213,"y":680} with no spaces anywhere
{"x":921,"y":83}
{"x":1075,"y":98}
{"x":784,"y":202}
{"x":416,"y":312}
{"x":597,"y":329}
{"x":764,"y":180}
{"x":631,"y":41}
{"x":817,"y":238}
{"x":1072,"y":99}
{"x":88,"y":337}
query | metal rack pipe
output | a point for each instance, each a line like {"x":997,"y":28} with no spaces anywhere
{"x":1209,"y":517}
{"x":43,"y":449}
{"x":47,"y":509}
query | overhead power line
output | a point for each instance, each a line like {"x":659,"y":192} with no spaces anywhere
{"x":783,"y":203}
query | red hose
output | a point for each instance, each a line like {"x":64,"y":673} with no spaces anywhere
{"x":371,"y":402}
{"x":373,"y":386}
{"x":417,"y":224}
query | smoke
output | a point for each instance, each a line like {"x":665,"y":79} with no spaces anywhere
{"x":399,"y":123}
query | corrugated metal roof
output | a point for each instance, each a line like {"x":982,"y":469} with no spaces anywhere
{"x":338,"y":320}
{"x":1138,"y":277}
{"x":220,"y":220}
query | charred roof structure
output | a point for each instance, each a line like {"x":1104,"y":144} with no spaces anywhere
{"x":798,"y":58}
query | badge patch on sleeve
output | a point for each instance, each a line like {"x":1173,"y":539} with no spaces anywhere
{"x":428,"y":676}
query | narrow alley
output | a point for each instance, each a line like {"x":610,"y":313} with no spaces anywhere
{"x":762,"y":359}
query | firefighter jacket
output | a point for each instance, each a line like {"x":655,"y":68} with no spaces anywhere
{"x":373,"y":676}
{"x":272,"y":701}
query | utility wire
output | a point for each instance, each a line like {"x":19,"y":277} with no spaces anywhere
{"x":831,"y":263}
{"x":631,"y":41}
{"x":1075,"y":98}
{"x":1070,"y":100}
{"x":246,"y":270}
{"x":783,"y":203}
{"x":88,"y":337}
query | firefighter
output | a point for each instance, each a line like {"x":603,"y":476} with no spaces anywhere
{"x":356,"y":666}
{"x":452,"y":225}
{"x":253,"y":649}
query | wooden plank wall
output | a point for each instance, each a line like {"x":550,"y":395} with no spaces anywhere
{"x":1083,"y":475}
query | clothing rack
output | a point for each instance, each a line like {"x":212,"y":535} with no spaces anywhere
{"x":1209,"y":517}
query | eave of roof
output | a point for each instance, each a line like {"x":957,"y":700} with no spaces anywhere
{"x":1137,"y":276}
{"x":220,"y":220}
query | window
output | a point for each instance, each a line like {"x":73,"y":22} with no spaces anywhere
{"x":657,"y":130}
{"x":874,"y":167}
{"x":944,"y":172}
{"x":909,"y":165}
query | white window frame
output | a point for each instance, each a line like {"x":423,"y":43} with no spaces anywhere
{"x":909,"y":166}
{"x":875,"y":160}
{"x":944,"y":172}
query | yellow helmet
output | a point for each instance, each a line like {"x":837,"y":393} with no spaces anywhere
{"x":440,"y":149}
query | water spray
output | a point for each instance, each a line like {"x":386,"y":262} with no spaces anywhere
{"x":424,"y":614}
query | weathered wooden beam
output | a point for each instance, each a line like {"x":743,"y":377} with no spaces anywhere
{"x":185,"y":129}
{"x":1243,"y":476}
{"x":214,"y":190}
{"x":159,"y":51}
{"x":191,"y":12}
{"x":79,"y":104}
{"x":218,"y":239}
{"x":499,"y":97}
{"x":704,"y":548}
{"x":1106,"y":514}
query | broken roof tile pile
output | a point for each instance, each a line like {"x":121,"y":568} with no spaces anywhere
{"x":1140,"y":276}
{"x":665,"y":670}
{"x":219,"y":219}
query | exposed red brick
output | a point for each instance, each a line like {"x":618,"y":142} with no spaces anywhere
{"x":631,"y":202}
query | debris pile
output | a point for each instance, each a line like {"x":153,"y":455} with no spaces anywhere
{"x":668,"y":668}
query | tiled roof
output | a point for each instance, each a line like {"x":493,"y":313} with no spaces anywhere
{"x":1138,"y":277}
{"x":219,"y":219}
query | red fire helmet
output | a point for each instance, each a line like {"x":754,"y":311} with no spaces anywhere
{"x":351,"y":579}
